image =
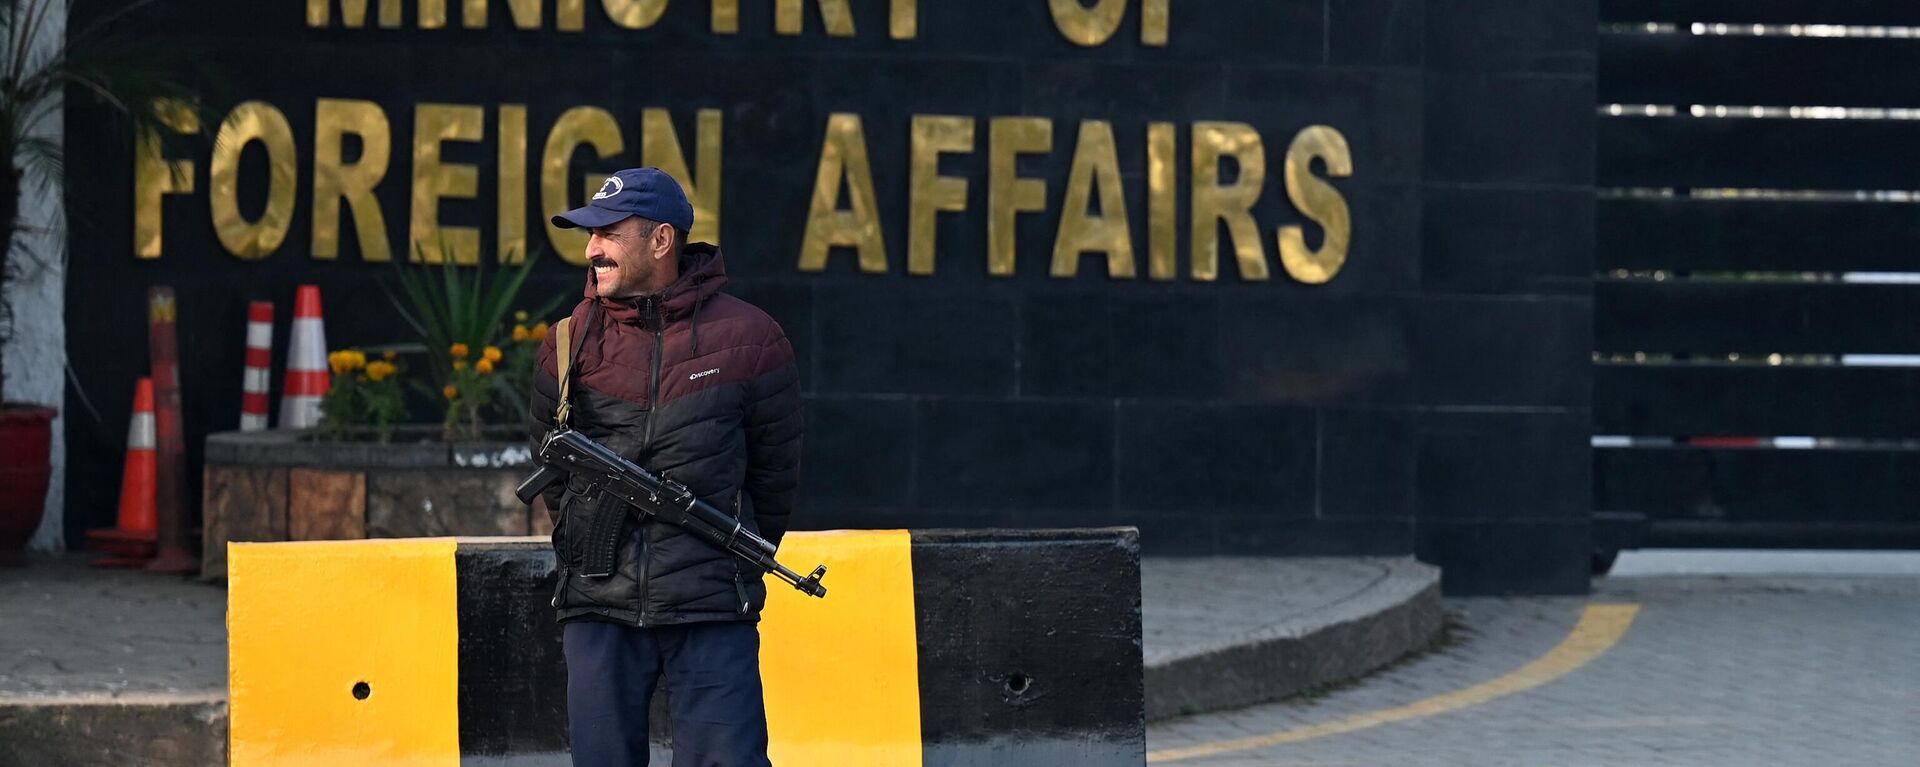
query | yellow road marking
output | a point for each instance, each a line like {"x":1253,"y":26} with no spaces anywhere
{"x":1600,"y":627}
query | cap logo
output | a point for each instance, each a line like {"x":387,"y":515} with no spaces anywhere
{"x":612,"y":187}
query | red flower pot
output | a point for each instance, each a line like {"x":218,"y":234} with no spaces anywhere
{"x":26,"y":438}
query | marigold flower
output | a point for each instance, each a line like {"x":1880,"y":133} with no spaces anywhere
{"x":459,"y":351}
{"x":520,"y":316}
{"x":390,"y":356}
{"x":379,"y":371}
{"x":491,"y":354}
{"x":538,"y":333}
{"x":484,"y":366}
{"x":519,"y":333}
{"x":459,"y":364}
{"x":452,"y":392}
{"x":345,"y":361}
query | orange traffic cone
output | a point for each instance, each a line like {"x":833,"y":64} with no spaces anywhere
{"x":131,"y":543}
{"x":307,"y":377}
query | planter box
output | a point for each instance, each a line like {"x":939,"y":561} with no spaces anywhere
{"x":281,"y":485}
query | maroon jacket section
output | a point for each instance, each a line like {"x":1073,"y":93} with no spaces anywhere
{"x":696,"y":385}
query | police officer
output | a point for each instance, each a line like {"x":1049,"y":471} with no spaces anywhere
{"x":698,"y":386}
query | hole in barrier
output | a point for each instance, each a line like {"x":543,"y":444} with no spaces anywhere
{"x":1018,"y":683}
{"x":361,"y":691}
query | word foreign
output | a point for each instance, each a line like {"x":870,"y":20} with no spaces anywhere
{"x":1226,"y":170}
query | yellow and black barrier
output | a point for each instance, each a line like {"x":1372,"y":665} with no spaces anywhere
{"x":942,"y":647}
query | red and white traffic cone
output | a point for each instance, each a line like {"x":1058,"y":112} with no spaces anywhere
{"x":253,"y":385}
{"x":131,"y":543}
{"x":307,"y":376}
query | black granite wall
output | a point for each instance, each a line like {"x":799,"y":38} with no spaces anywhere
{"x":1432,"y":398}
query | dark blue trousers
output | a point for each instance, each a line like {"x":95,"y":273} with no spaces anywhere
{"x":713,"y":684}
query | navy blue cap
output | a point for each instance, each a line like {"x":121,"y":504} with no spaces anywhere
{"x":645,"y":192}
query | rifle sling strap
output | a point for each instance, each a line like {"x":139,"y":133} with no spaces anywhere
{"x":563,"y":345}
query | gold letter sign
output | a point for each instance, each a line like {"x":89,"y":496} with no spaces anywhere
{"x":155,"y":176}
{"x":434,"y":124}
{"x":844,"y":155}
{"x":1319,"y":201}
{"x":334,"y":180}
{"x":247,"y":123}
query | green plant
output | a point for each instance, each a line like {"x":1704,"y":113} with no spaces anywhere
{"x":458,"y":310}
{"x":36,"y":69}
{"x":471,"y":388}
{"x":364,"y":395}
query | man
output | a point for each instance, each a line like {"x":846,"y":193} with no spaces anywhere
{"x":700,"y":387}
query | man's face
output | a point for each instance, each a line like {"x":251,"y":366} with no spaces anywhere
{"x":621,"y":258}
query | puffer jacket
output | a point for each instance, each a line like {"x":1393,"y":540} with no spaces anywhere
{"x":695,"y":385}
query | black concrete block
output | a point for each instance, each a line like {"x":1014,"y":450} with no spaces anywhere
{"x":1376,"y":32}
{"x":1015,"y":455}
{"x":1330,"y":350}
{"x":1210,"y":459}
{"x":859,"y":453}
{"x":1542,"y":359}
{"x":1555,"y":36}
{"x":919,"y":342}
{"x":505,"y":612}
{"x":1248,"y":32}
{"x":1368,"y":464}
{"x":1119,"y":344}
{"x":1534,"y":241}
{"x":1054,"y":668}
{"x":1128,"y":95}
{"x":1498,"y":466}
{"x":1501,"y":558}
{"x":1510,"y":129}
{"x":1273,"y":535}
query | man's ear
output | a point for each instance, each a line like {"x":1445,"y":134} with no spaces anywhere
{"x":661,"y":241}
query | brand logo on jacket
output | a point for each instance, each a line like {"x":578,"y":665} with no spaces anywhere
{"x":702,"y":374}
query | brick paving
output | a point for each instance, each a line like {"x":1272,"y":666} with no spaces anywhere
{"x":67,"y":629}
{"x":1716,"y":671}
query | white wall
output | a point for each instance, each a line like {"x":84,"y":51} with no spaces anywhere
{"x":36,"y":359}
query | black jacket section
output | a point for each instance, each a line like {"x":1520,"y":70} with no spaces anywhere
{"x":697,"y":386}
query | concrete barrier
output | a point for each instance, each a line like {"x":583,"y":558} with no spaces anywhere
{"x":965,"y":647}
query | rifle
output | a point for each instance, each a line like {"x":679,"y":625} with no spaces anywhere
{"x":567,"y":452}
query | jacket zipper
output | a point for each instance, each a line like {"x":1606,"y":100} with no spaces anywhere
{"x":739,"y":589}
{"x":653,"y":406}
{"x":659,"y":348}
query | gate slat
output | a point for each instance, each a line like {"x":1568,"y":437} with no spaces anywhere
{"x":1755,"y":317}
{"x":1762,"y":11}
{"x":1757,"y":235}
{"x":1686,"y":69}
{"x":1760,"y":485}
{"x":1743,"y":400}
{"x":1786,"y":154}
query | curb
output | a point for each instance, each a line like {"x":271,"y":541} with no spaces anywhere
{"x":145,"y":729}
{"x":1395,"y":615}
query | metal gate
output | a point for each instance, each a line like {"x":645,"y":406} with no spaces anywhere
{"x":1757,"y":302}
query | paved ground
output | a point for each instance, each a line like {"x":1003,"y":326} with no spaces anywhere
{"x":67,"y":630}
{"x":1819,"y":670}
